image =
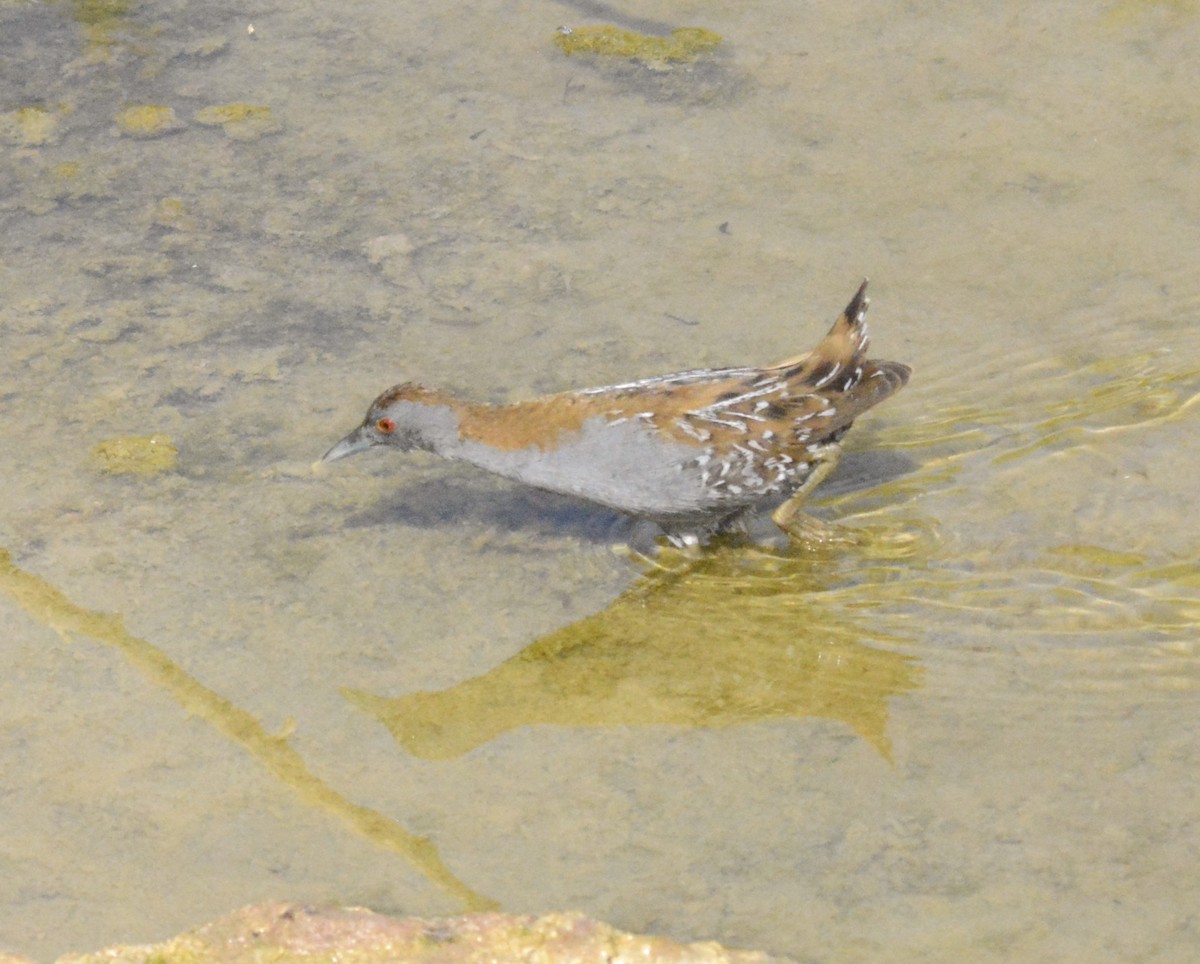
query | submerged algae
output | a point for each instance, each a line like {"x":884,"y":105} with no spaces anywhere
{"x":605,"y":40}
{"x":240,"y":122}
{"x":135,"y":455}
{"x":32,"y":125}
{"x":148,"y":120}
{"x":93,"y":13}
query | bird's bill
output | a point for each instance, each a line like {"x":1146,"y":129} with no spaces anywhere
{"x":356,"y":441}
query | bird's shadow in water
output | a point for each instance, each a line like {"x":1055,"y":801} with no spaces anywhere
{"x":460,"y":496}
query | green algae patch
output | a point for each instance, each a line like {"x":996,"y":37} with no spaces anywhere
{"x":92,"y":13}
{"x":1128,"y":11}
{"x":31,"y":126}
{"x":684,"y":44}
{"x":231,"y":114}
{"x":240,"y":122}
{"x":108,"y":24}
{"x":171,"y":214}
{"x":147,"y":120}
{"x":136,"y":455}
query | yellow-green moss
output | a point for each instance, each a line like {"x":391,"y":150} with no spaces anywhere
{"x":31,"y":126}
{"x":241,"y":122}
{"x":136,"y":455}
{"x":93,"y":12}
{"x":102,"y":22}
{"x":172,"y":213}
{"x":1127,"y":11}
{"x":229,"y":113}
{"x":147,"y":120}
{"x":36,"y":124}
{"x":686,"y":43}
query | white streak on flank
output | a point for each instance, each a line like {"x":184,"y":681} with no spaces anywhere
{"x":718,"y":408}
{"x":746,"y":396}
{"x":837,"y":367}
{"x":729,"y":422}
{"x":688,"y":429}
{"x":675,"y":378}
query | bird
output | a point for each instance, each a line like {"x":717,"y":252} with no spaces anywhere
{"x":696,"y":452}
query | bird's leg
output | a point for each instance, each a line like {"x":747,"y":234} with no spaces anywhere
{"x":800,"y":526}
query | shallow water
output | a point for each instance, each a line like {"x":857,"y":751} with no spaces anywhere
{"x":974,"y":735}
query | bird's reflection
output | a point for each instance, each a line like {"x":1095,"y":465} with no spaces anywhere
{"x":735,"y":637}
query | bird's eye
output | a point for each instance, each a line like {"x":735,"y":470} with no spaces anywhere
{"x":385,"y":426}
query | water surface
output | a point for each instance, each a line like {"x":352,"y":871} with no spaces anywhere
{"x":974,"y":735}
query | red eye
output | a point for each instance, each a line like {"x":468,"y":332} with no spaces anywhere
{"x":385,"y":426}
